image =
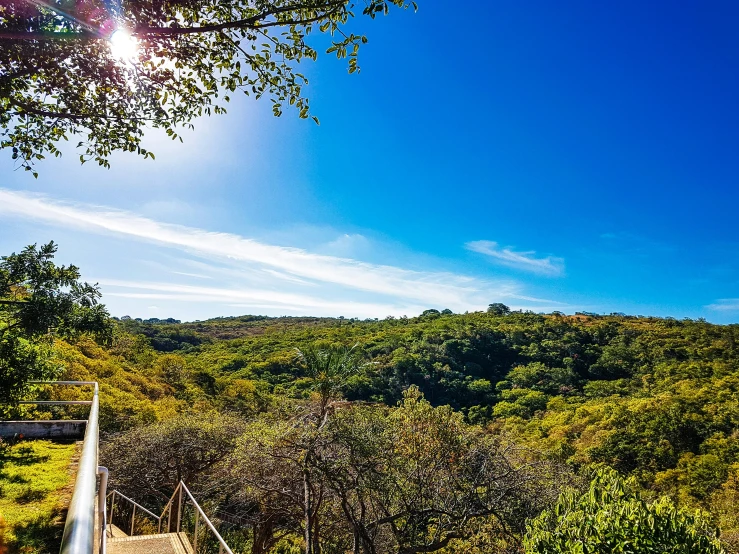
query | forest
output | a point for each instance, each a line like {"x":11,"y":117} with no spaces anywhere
{"x":495,"y":431}
{"x":546,"y":400}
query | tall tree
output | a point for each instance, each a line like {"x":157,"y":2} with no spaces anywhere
{"x":409,"y":479}
{"x":417,"y":479}
{"x":328,"y":366}
{"x":280,"y":480}
{"x":149,"y":462}
{"x":106,"y":70}
{"x":40,"y":300}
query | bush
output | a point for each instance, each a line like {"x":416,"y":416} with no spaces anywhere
{"x":612,"y":519}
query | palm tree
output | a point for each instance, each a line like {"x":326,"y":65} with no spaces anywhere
{"x":328,"y":366}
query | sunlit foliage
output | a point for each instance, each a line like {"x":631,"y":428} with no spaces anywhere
{"x":103,"y":73}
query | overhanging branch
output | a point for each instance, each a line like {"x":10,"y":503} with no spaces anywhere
{"x":258,"y":21}
{"x":73,"y":116}
{"x":29,"y":35}
{"x":255,"y":22}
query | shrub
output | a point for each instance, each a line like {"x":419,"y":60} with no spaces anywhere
{"x":612,"y":519}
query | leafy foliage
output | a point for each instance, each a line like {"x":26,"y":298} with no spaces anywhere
{"x":40,"y":300}
{"x":370,"y":479}
{"x":654,"y":398}
{"x":611,"y":519}
{"x":328,"y":367}
{"x":59,"y":79}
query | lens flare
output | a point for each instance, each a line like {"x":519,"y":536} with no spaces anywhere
{"x":123,"y":46}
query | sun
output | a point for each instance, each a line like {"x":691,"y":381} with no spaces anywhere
{"x":123,"y":45}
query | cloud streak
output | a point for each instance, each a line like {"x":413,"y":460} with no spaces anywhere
{"x":524,"y":261}
{"x":251,"y":298}
{"x":725,"y":305}
{"x":251,"y":273}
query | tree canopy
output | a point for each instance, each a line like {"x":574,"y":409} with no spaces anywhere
{"x":105,"y":71}
{"x":40,"y":300}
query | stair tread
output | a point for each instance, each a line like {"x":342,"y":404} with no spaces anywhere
{"x":164,"y":543}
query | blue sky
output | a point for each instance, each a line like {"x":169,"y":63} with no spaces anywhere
{"x":566,"y":156}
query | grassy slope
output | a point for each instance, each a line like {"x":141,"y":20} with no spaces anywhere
{"x":34,"y":488}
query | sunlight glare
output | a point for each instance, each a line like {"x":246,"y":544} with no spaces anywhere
{"x":123,"y":46}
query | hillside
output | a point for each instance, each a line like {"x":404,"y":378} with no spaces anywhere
{"x":656,"y":399}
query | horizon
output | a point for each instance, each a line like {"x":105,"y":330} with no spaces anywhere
{"x":174,"y":321}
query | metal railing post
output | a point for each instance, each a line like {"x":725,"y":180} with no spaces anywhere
{"x":112,"y":509}
{"x":104,"y":534}
{"x":195,"y":538}
{"x":179,"y":508}
{"x":133,"y":520}
{"x":102,"y":501}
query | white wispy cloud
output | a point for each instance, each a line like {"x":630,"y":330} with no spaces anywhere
{"x":247,"y":272}
{"x":196,"y":275}
{"x":249,"y":298}
{"x":526,"y":261}
{"x":725,"y":305}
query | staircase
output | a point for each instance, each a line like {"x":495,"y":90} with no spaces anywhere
{"x":90,"y":527}
{"x":162,"y":543}
{"x":144,"y":535}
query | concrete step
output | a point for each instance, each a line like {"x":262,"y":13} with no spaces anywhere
{"x":165,"y":543}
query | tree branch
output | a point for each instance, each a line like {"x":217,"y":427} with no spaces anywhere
{"x":44,"y":113}
{"x":255,"y":22}
{"x":61,"y":115}
{"x":249,"y":23}
{"x":434,"y":546}
{"x":26,"y":35}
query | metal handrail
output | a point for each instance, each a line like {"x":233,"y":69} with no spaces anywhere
{"x":79,"y":527}
{"x":223,"y":547}
{"x":136,"y":505}
{"x":139,"y":506}
{"x":167,"y":511}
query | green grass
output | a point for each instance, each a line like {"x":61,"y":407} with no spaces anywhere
{"x":33,"y":491}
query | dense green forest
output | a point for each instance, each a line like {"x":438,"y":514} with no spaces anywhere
{"x":547,"y":398}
